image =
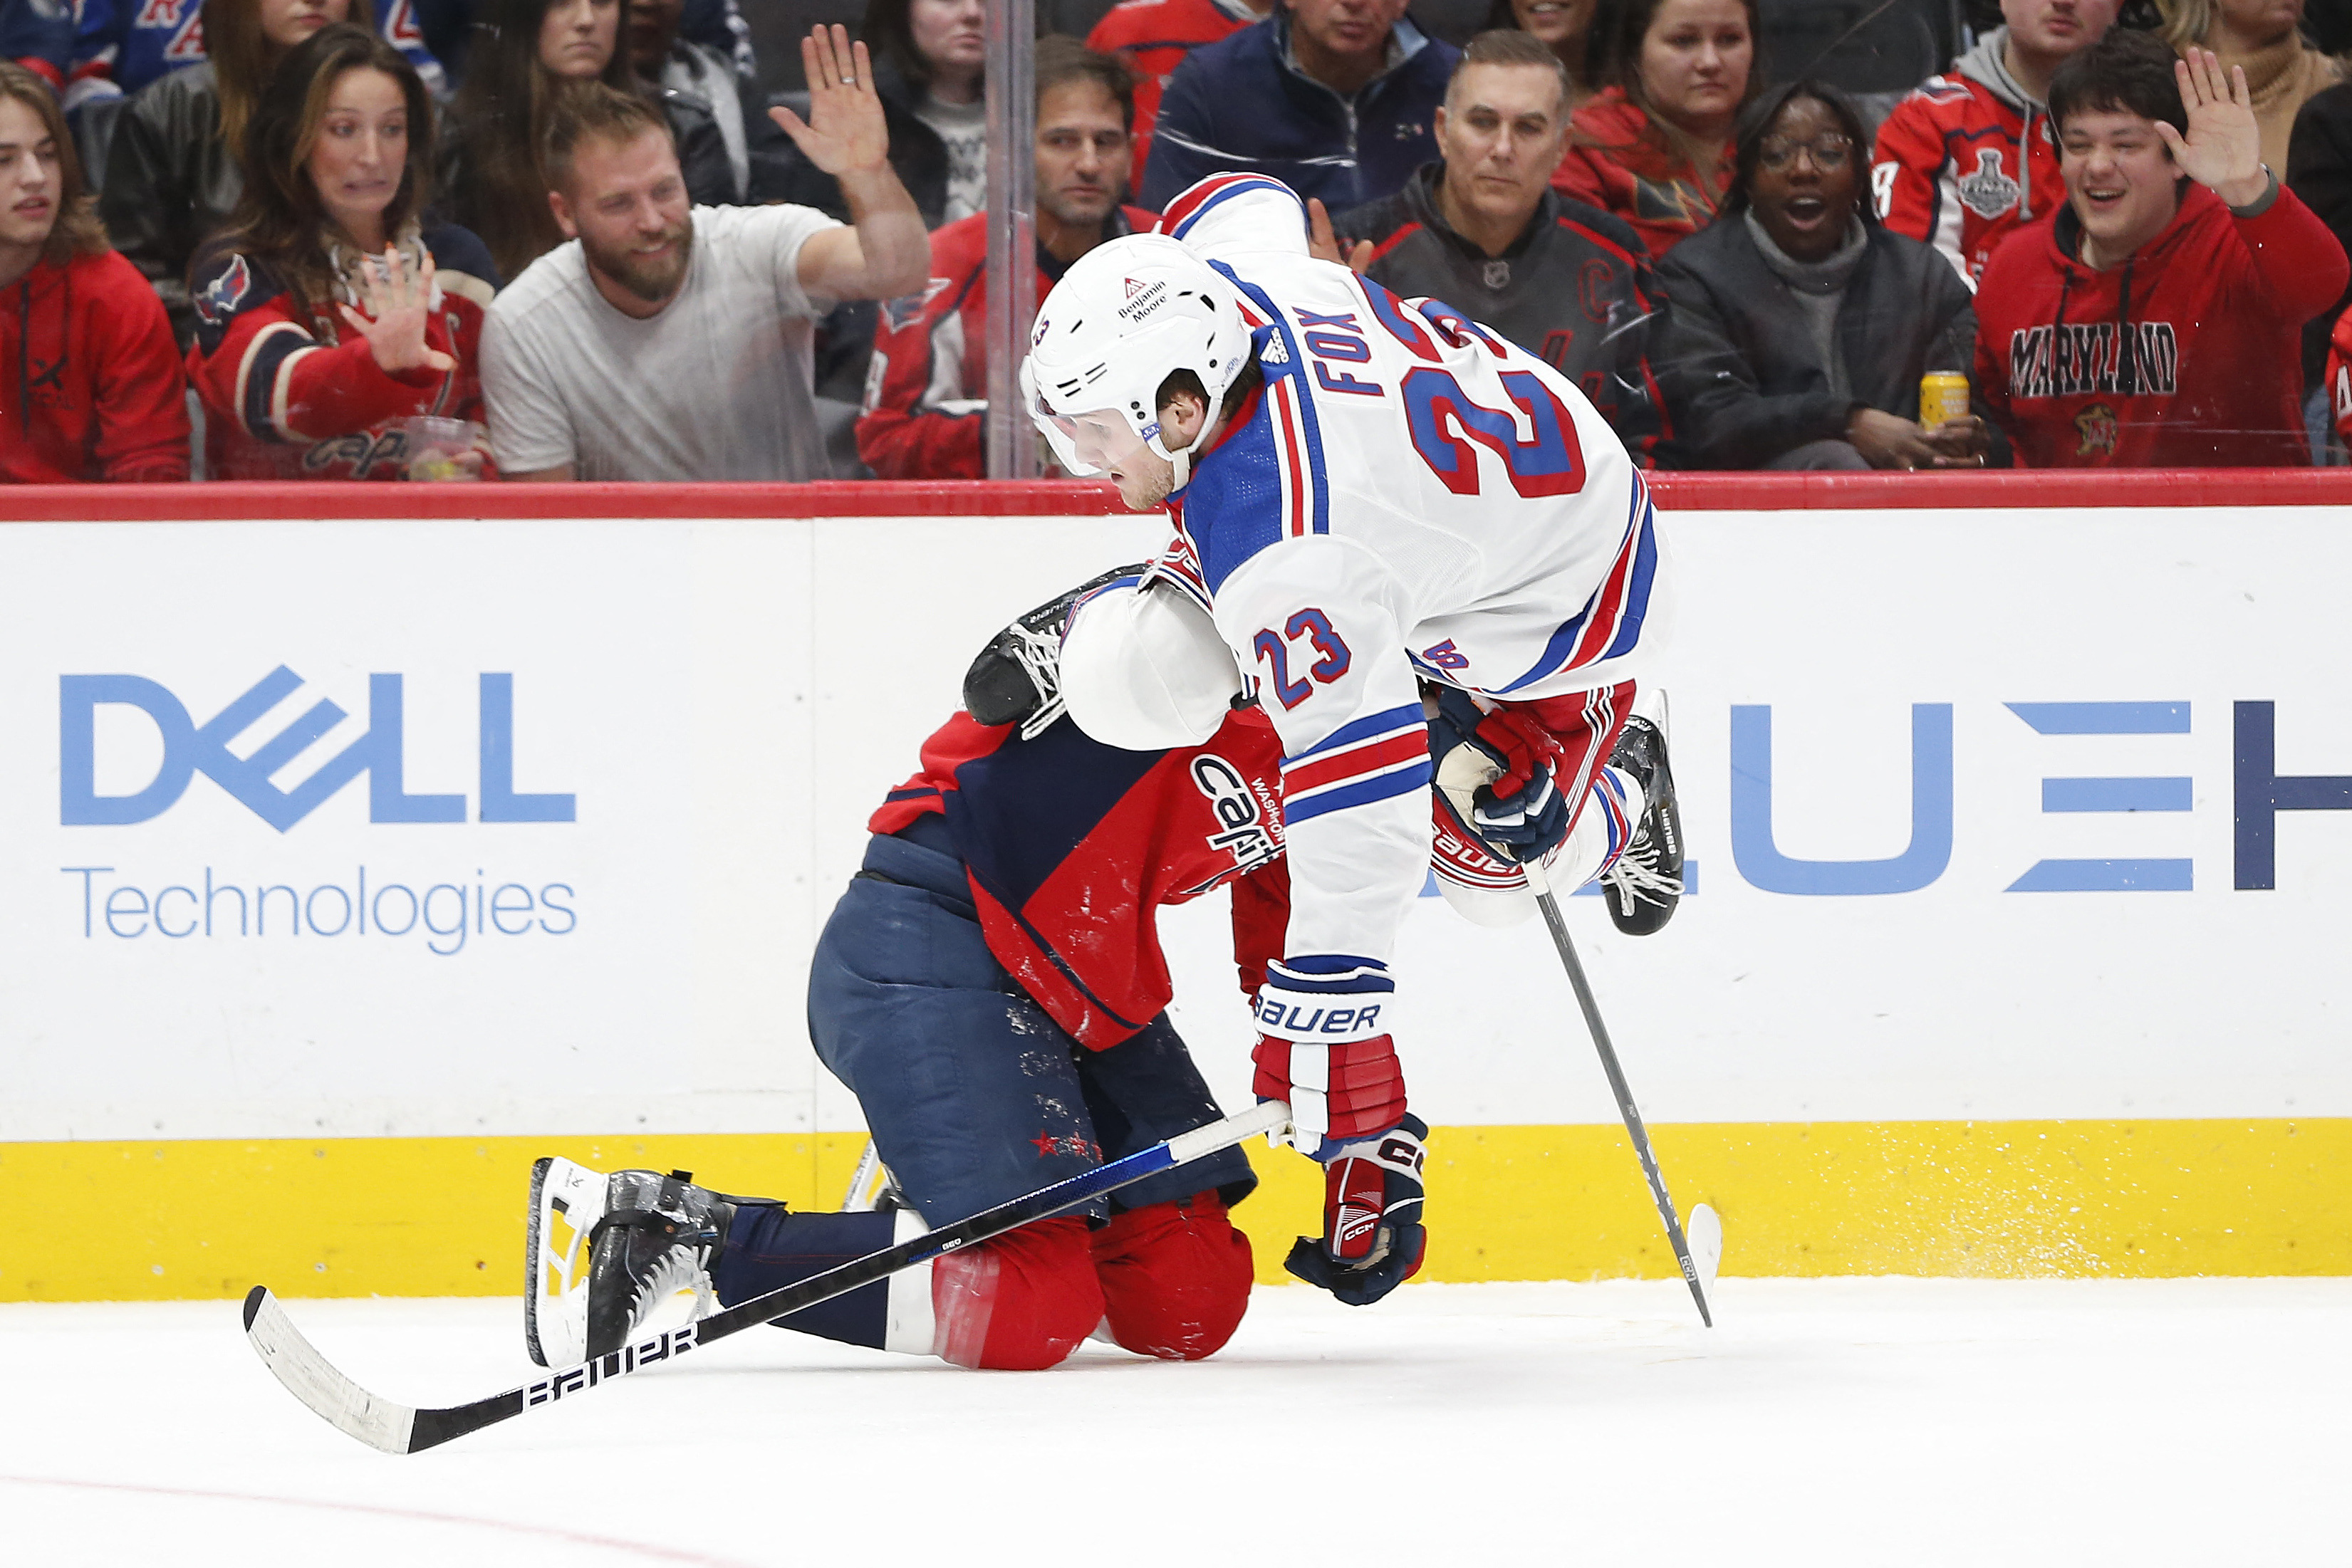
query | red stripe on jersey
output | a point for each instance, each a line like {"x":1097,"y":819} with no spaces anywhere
{"x":1373,"y":757}
{"x":1608,"y":604}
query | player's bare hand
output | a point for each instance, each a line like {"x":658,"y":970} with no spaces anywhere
{"x":2223,"y":149}
{"x":845,"y":133}
{"x":1888,"y":440}
{"x":1960,"y":443}
{"x":399,"y":306}
{"x":1323,"y":246}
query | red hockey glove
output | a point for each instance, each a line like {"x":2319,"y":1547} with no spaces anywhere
{"x":1496,"y":770}
{"x":1338,"y":1094}
{"x":1372,"y":1235}
{"x":1323,"y":1048}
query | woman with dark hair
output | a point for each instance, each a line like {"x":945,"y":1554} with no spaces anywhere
{"x":172,"y":170}
{"x":1797,"y":326}
{"x":1653,"y":146}
{"x":928,"y":61}
{"x":90,"y":384}
{"x":1566,"y":28}
{"x":330,"y":317}
{"x":522,"y":54}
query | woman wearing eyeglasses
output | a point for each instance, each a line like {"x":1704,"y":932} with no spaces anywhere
{"x":1797,"y":328}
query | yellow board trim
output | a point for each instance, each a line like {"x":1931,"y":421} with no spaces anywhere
{"x":444,"y":1216}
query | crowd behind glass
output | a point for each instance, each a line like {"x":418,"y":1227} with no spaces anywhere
{"x":606,"y":239}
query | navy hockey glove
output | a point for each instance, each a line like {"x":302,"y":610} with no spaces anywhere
{"x":1373,"y":1236}
{"x":1495,"y":773}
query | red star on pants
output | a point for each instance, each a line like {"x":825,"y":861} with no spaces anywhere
{"x":1046,"y":1143}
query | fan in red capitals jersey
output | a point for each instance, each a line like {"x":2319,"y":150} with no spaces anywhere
{"x":1371,"y":495}
{"x":1153,"y":37}
{"x":990,"y":986}
{"x":1969,"y":156}
{"x":925,"y":385}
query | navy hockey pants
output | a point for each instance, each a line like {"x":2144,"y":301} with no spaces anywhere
{"x":975,"y":1096}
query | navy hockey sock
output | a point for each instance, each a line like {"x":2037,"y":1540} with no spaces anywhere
{"x":769,"y":1247}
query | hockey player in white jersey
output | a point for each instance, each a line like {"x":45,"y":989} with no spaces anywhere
{"x":1375,"y":498}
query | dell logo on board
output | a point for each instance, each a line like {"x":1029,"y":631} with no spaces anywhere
{"x":190,"y":748}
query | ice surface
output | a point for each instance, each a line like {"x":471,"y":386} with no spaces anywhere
{"x":1825,"y":1422}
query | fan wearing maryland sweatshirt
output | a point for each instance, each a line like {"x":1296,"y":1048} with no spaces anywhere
{"x":2155,"y":320}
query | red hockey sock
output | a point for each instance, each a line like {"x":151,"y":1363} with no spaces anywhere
{"x":1020,"y":1303}
{"x":1175,"y":1277}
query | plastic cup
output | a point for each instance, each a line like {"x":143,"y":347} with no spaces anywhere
{"x":435,"y":445}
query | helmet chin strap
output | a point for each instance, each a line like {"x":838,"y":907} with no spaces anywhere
{"x":1181,"y":459}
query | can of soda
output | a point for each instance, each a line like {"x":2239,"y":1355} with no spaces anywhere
{"x":1943,"y":395}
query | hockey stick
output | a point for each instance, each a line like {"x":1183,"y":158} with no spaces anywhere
{"x":403,"y":1429}
{"x":859,"y":1200}
{"x":1625,"y":1106}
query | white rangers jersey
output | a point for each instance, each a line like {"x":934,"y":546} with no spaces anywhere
{"x":1408,"y":496}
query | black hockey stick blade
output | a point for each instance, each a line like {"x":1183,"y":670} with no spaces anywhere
{"x":399,"y":1428}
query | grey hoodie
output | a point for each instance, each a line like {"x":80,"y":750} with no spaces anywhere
{"x":1982,"y":64}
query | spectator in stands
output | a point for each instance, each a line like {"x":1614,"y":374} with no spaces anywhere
{"x":1969,"y":157}
{"x":1483,"y":230}
{"x":1653,"y":146}
{"x":721,"y":80}
{"x":172,"y":171}
{"x":1155,"y":36}
{"x":2152,"y":320}
{"x":2319,"y":170}
{"x":91,"y":385}
{"x":929,"y":56}
{"x":1797,"y":328}
{"x":670,"y":343}
{"x":1334,"y":97}
{"x":926,"y":400}
{"x":328,"y":314}
{"x":525,"y":54}
{"x":120,"y":46}
{"x":37,"y":36}
{"x":1566,"y":28}
{"x":2265,"y":37}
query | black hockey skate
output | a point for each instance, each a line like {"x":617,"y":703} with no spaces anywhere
{"x":1017,"y":678}
{"x":1642,"y":888}
{"x":647,"y":1237}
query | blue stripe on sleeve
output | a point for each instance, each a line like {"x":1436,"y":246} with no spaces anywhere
{"x":1385,"y":787}
{"x":1395,"y":718}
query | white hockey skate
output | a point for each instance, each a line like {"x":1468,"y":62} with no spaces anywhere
{"x":566,"y":1202}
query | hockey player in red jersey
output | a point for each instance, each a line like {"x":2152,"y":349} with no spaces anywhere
{"x":1969,"y":156}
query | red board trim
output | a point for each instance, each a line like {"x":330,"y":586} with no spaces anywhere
{"x":330,"y":501}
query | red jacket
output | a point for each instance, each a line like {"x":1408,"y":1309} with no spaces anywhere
{"x":2338,"y":379}
{"x":91,"y":385}
{"x":927,"y":385}
{"x":2186,"y":355}
{"x":1072,"y":847}
{"x":1965,"y":160}
{"x":1153,"y":37}
{"x":1617,"y":161}
{"x":287,"y":398}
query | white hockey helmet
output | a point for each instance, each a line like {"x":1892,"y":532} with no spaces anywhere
{"x":1144,"y":669}
{"x":1126,"y":315}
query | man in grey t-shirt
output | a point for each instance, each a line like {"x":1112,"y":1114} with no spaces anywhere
{"x":672,"y":343}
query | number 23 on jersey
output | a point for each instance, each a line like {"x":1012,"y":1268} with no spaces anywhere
{"x":1322,"y":644}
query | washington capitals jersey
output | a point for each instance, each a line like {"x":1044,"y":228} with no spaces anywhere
{"x":1407,"y":496}
{"x":1071,"y":847}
